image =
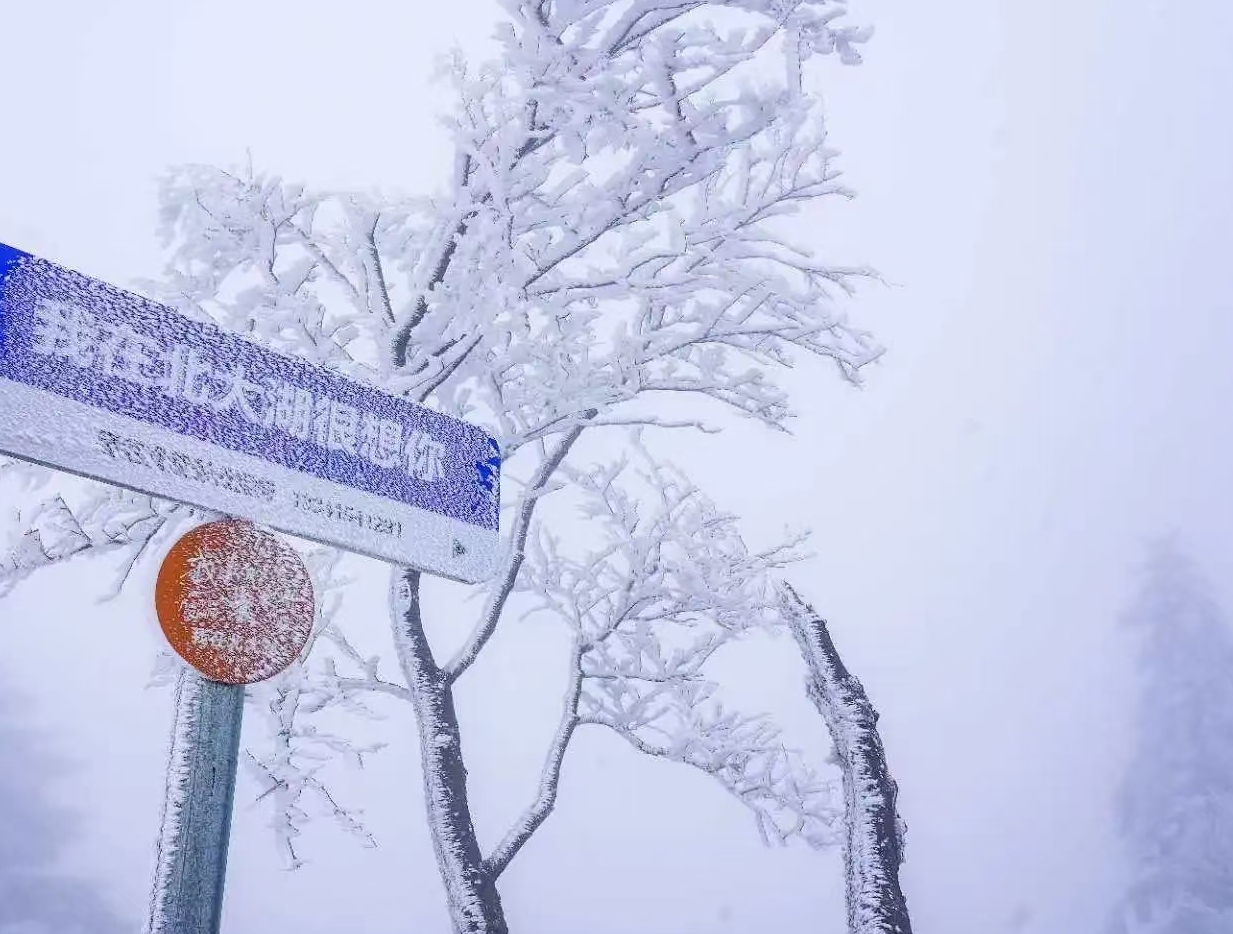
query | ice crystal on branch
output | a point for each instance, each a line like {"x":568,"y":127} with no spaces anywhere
{"x":101,"y":521}
{"x":297,"y":747}
{"x":609,"y":232}
{"x":671,"y":583}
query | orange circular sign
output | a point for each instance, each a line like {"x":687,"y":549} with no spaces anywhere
{"x":234,"y":601}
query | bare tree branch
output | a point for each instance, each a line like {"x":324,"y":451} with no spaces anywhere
{"x":550,"y":780}
{"x":513,"y":562}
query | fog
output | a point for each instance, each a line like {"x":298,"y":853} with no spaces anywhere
{"x":1049,"y":197}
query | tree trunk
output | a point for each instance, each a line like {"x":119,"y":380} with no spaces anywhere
{"x":873,"y":843}
{"x":475,"y":905}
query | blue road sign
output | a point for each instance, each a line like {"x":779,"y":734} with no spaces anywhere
{"x":107,"y":384}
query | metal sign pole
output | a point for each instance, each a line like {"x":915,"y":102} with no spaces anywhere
{"x":192,"y":858}
{"x":237,"y":604}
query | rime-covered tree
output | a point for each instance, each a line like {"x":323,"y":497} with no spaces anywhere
{"x":1177,"y":799}
{"x":608,"y":257}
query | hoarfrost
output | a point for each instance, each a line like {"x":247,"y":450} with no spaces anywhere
{"x":873,"y":830}
{"x":179,"y":758}
{"x":246,"y":601}
{"x":606,"y":255}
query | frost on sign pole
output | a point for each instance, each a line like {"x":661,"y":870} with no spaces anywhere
{"x":236,"y":603}
{"x":104,"y":383}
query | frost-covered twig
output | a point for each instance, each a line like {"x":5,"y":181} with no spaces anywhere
{"x":506,"y":580}
{"x":671,"y":583}
{"x":100,"y":521}
{"x":297,"y":749}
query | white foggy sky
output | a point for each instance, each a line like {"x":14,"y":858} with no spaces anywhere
{"x":1051,"y":196}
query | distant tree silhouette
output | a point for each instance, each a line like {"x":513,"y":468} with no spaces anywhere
{"x":1177,"y":800}
{"x":36,"y":895}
